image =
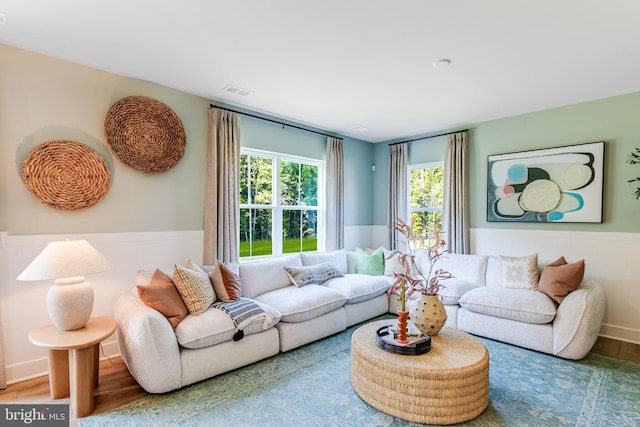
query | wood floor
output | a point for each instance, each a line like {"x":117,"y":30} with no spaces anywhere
{"x":116,"y":388}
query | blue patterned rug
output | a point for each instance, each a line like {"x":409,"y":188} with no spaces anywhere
{"x":310,"y":386}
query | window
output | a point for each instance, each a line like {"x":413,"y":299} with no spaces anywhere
{"x":280,"y":203}
{"x":426,"y":197}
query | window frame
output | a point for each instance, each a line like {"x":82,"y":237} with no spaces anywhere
{"x":411,"y":210}
{"x":276,"y":206}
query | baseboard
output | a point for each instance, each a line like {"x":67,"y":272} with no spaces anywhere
{"x":39,"y":367}
{"x":616,"y":348}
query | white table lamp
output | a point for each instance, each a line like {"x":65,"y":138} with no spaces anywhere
{"x":70,"y":299}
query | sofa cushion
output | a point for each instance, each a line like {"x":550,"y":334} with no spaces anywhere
{"x":215,"y":326}
{"x":351,"y":262}
{"x":337,"y":258}
{"x":194,"y":287}
{"x":259,"y":277}
{"x":305,"y":303}
{"x":360,"y":287}
{"x":370,"y":263}
{"x":161,"y":294}
{"x":559,"y":278}
{"x":523,"y":305}
{"x":312,"y":274}
{"x":468,"y":268}
{"x":226,"y":283}
{"x":453,"y":290}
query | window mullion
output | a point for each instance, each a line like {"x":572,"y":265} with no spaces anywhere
{"x":277,"y":207}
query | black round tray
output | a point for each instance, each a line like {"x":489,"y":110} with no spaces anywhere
{"x":385,"y":341}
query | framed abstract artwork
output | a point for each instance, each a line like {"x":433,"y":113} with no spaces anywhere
{"x":562,"y":184}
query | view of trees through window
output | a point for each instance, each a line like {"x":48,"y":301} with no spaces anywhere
{"x":278,"y":204}
{"x":426,"y":197}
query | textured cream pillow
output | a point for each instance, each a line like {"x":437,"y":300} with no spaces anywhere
{"x":519,"y":272}
{"x":194,"y":287}
{"x":392,"y":264}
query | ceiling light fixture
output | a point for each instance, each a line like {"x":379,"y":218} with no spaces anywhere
{"x":360,"y":128}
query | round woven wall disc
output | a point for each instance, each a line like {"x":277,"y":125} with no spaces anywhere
{"x":66,"y":175}
{"x":145,"y":134}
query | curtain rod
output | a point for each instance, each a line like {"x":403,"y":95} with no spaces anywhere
{"x":432,"y":136}
{"x":273,"y":121}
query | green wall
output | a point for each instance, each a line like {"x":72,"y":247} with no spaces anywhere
{"x":613,"y":120}
{"x":42,"y":99}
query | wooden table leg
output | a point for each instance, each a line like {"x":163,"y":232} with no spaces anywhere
{"x":59,"y":373}
{"x":82,"y":380}
{"x":96,"y":364}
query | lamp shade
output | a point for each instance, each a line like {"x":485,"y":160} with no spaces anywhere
{"x":70,"y":299}
{"x":67,"y":258}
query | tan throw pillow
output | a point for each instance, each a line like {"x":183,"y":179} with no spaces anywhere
{"x":194,"y":287}
{"x":161,"y":294}
{"x":519,"y":272}
{"x":558,"y":279}
{"x":226,"y":283}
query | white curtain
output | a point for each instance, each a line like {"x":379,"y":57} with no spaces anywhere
{"x":456,"y":194}
{"x":221,"y":201}
{"x":398,"y":155}
{"x":335,"y":195}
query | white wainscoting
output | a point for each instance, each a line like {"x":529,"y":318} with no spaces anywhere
{"x":611,"y":259}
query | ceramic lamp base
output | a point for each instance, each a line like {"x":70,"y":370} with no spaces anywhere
{"x":70,"y":302}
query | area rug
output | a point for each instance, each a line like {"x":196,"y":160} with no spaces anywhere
{"x":310,"y":386}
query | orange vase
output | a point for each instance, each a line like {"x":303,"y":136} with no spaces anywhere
{"x":402,"y":326}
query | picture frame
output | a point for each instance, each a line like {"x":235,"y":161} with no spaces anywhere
{"x":554,"y":185}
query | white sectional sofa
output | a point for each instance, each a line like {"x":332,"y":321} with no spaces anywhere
{"x":477,"y":300}
{"x":481,"y":300}
{"x":162,"y":359}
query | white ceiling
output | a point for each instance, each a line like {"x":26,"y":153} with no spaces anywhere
{"x":341,"y":64}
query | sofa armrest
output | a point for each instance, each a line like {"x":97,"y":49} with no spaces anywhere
{"x":578,"y":321}
{"x":148,"y":345}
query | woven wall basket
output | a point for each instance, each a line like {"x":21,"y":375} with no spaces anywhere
{"x":145,"y":134}
{"x":66,"y":175}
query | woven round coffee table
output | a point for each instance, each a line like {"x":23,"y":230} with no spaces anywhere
{"x":448,"y":385}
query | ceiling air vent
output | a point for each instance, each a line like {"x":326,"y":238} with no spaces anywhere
{"x":237,"y":90}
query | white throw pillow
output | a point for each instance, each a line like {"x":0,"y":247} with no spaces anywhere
{"x":392,"y":264}
{"x":519,"y":272}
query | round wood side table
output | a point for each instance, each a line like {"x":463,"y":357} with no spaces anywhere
{"x":73,"y":360}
